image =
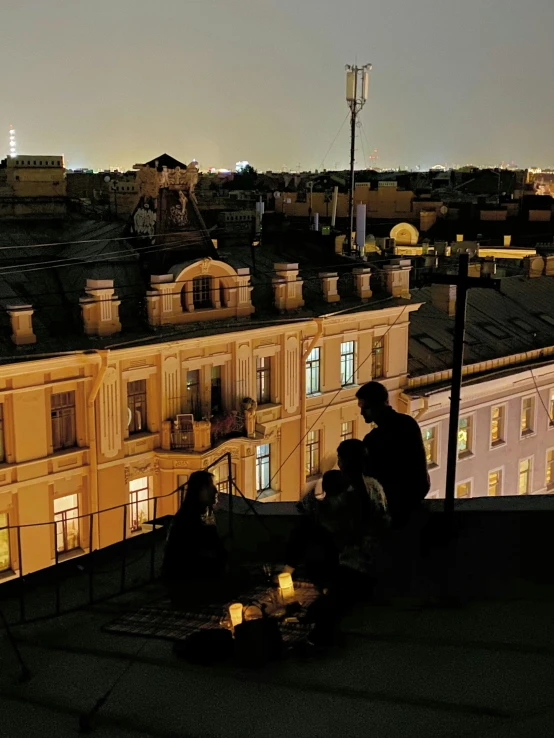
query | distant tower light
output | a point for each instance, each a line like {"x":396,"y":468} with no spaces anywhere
{"x":13,"y":145}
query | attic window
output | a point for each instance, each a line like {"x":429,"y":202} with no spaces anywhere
{"x":494,"y":330}
{"x":430,"y":343}
{"x":201,"y":289}
{"x":469,"y":338}
{"x":519,"y":323}
{"x":546,"y":319}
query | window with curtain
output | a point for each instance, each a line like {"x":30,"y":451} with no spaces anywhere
{"x":63,"y":420}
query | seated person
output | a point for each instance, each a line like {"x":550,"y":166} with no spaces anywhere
{"x":194,"y":564}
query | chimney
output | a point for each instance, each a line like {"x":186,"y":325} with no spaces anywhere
{"x":100,"y":309}
{"x":159,"y":299}
{"x":22,"y":324}
{"x":397,"y":277}
{"x":362,"y":276}
{"x":474,"y":269}
{"x":488,"y":267}
{"x":443,"y":297}
{"x":287,"y":287}
{"x":507,"y":240}
{"x":534,"y":266}
{"x":329,"y":282}
{"x":549,"y":266}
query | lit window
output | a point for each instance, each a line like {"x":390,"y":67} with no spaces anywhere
{"x":378,"y":358}
{"x":551,"y":409}
{"x":201,"y":292}
{"x":347,"y":430}
{"x":465,"y":436}
{"x":312,"y":453}
{"x":525,"y":468}
{"x":497,"y":425}
{"x":63,"y":420}
{"x":312,"y":372}
{"x":263,"y":380}
{"x":463,"y":490}
{"x":138,"y":503}
{"x":527,"y":416}
{"x":2,"y":446}
{"x":136,"y":406}
{"x":347,"y":363}
{"x":430,"y":443}
{"x":495,"y":483}
{"x":66,"y":517}
{"x":263,"y":468}
{"x":550,"y":469}
{"x":5,"y":559}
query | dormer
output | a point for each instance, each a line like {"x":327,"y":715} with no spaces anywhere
{"x":201,"y":290}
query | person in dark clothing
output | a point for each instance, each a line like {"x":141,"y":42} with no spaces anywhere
{"x":194,"y":563}
{"x":395,"y":453}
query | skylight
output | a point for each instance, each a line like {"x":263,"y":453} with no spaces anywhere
{"x":547,"y":319}
{"x":523,"y":325}
{"x":494,"y":330}
{"x":430,"y":343}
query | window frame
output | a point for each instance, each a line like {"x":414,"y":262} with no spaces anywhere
{"x":138,"y":502}
{"x":313,"y":365}
{"x":530,"y":459}
{"x":533,"y":429}
{"x":434,"y":464}
{"x":202,"y":298}
{"x":501,"y":441}
{"x":313,"y":450}
{"x":63,"y":521}
{"x":2,"y":434}
{"x":549,"y":486}
{"x":263,"y":380}
{"x":131,"y":411}
{"x":193,"y":403}
{"x":72,"y":415}
{"x":346,"y":358}
{"x":550,"y":406}
{"x":469,"y":452}
{"x":382,"y":374}
{"x":497,"y":470}
{"x":469,"y":483}
{"x":263,"y":461}
{"x":351,"y":434}
{"x":5,"y":531}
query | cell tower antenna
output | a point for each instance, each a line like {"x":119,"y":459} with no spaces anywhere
{"x":13,"y":146}
{"x":357,"y":92}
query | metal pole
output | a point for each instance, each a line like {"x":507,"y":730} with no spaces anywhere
{"x":90,"y":567}
{"x":153,"y":549}
{"x":56,"y":571}
{"x":353,"y":109}
{"x":230,"y":485}
{"x":21,"y":586}
{"x":456,"y":386}
{"x":124,"y":552}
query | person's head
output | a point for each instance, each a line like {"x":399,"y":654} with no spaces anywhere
{"x":373,"y":400}
{"x":351,"y":457}
{"x":332,"y":483}
{"x":201,"y":490}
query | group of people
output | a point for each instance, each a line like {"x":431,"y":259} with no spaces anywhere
{"x":349,"y":521}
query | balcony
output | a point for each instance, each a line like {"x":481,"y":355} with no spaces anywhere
{"x":196,"y":436}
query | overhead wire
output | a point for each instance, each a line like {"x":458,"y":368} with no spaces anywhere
{"x":335,"y":138}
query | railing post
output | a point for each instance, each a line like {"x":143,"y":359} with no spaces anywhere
{"x":230,"y":485}
{"x":90,"y":559}
{"x":21,"y":585}
{"x":153,"y":548}
{"x":124,"y":553}
{"x":57,"y":571}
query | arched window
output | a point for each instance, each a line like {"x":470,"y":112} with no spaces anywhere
{"x":201,"y":292}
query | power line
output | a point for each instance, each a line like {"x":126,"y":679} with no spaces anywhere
{"x":333,"y":141}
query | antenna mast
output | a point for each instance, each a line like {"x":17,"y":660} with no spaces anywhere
{"x":357,"y":90}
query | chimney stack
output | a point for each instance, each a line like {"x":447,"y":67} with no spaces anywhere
{"x":443,"y":297}
{"x":549,"y":266}
{"x":329,"y":282}
{"x":397,"y":277}
{"x":488,"y":267}
{"x":287,"y":288}
{"x":100,"y":309}
{"x":507,"y":240}
{"x":362,"y":277}
{"x":22,"y":324}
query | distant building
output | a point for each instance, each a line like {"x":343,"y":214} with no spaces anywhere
{"x":32,"y":186}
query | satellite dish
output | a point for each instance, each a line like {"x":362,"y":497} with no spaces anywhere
{"x":276,"y":195}
{"x":443,"y":210}
{"x":107,"y":178}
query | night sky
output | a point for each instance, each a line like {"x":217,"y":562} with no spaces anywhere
{"x":114,"y":82}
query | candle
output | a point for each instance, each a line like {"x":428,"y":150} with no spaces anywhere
{"x":286,"y":586}
{"x":235,"y":611}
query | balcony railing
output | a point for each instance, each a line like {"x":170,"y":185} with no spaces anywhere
{"x":200,"y":435}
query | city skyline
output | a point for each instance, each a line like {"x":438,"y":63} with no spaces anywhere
{"x":449,"y":84}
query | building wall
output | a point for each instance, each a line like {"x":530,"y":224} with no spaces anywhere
{"x":385,"y":202}
{"x":484,"y":457}
{"x":106,"y":459}
{"x":36,"y":176}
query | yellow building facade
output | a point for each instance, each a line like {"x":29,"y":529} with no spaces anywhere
{"x":114,"y":432}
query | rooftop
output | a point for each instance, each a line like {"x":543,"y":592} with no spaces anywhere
{"x":483,"y":668}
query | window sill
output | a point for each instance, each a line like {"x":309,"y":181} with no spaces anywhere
{"x":73,"y":554}
{"x":137,"y":436}
{"x":314,"y":394}
{"x":465,"y":455}
{"x":8,"y":574}
{"x":498,"y":444}
{"x":527,"y":434}
{"x":432,"y":466}
{"x":268,"y":495}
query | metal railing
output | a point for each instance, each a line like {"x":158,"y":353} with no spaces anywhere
{"x":87,"y":561}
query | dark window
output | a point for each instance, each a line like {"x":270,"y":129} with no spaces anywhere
{"x":263,"y":469}
{"x":312,"y":453}
{"x":136,"y":404}
{"x":263,"y":380}
{"x":192,"y":403}
{"x":2,"y":447}
{"x":216,"y":394}
{"x":201,"y":288}
{"x":347,"y":363}
{"x":63,"y":420}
